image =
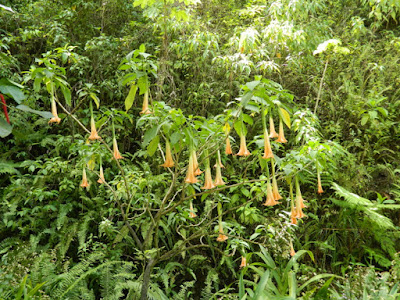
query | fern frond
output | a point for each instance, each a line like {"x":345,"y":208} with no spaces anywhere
{"x":364,"y":205}
{"x":7,"y":167}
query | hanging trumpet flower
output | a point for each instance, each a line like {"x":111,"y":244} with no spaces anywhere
{"x":221,"y":237}
{"x":270,"y":196}
{"x":145,"y":109}
{"x":218,"y":177}
{"x":169,"y":162}
{"x":192,"y":213}
{"x":299,"y":201}
{"x":293,"y":213}
{"x":93,"y":132}
{"x":292,"y":252}
{"x":116,"y":153}
{"x":85,"y":182}
{"x":55,"y":118}
{"x":320,"y":190}
{"x":190,"y":177}
{"x":267,"y":145}
{"x":228,"y":149}
{"x":101,"y":175}
{"x":275,"y":190}
{"x":243,"y":148}
{"x":243,"y":263}
{"x":208,"y":183}
{"x":281,"y":137}
{"x":196,"y":168}
{"x":272,"y":132}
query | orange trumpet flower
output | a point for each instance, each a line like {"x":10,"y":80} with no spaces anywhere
{"x":292,"y":252}
{"x":93,"y":133}
{"x":299,"y":202}
{"x":85,"y":182}
{"x":218,"y":177}
{"x":145,"y":109}
{"x":221,"y":237}
{"x":267,"y":146}
{"x":272,"y":131}
{"x":275,"y":191}
{"x":196,"y":168}
{"x":228,"y":149}
{"x":320,"y":190}
{"x":116,"y":153}
{"x":243,"y":148}
{"x":243,"y":263}
{"x":293,"y":215}
{"x":190,"y":177}
{"x":281,"y":137}
{"x":192,"y":213}
{"x":101,"y":176}
{"x":270,"y":196}
{"x":55,"y":118}
{"x":208,"y":183}
{"x":169,"y":162}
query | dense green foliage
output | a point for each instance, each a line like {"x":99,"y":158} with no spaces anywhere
{"x":326,"y":70}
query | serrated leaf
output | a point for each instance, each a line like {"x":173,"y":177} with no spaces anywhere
{"x":285,"y":116}
{"x":151,"y":149}
{"x":131,"y":97}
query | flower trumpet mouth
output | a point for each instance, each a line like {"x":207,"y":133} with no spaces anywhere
{"x":93,"y":133}
{"x":116,"y":153}
{"x":55,"y":118}
{"x":208,"y":183}
{"x":243,"y":148}
{"x":281,"y":137}
{"x":145,"y":108}
{"x":85,"y":182}
{"x":190,"y":177}
{"x":169,"y":162}
{"x":272,"y":132}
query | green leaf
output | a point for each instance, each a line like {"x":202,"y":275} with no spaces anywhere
{"x":5,"y":128}
{"x":175,"y":137}
{"x":44,"y":114}
{"x":95,"y":99}
{"x":150,"y":134}
{"x":364,"y":119}
{"x":12,"y":90}
{"x":151,"y":149}
{"x":285,"y":116}
{"x":131,"y":97}
{"x":142,"y":83}
{"x":248,"y":119}
{"x":67,"y":94}
{"x":261,"y":286}
{"x":244,"y":100}
{"x":251,"y":85}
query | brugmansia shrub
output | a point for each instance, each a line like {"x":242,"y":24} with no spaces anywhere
{"x":263,"y":177}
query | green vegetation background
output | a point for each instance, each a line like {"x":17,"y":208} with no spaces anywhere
{"x":59,"y":241}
